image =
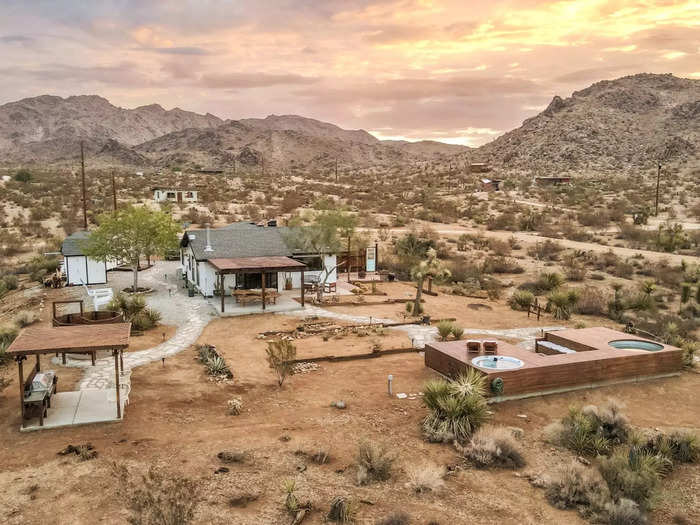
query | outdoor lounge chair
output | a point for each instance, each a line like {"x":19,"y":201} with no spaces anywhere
{"x":100,"y":296}
{"x":490,"y":347}
{"x":473,"y":346}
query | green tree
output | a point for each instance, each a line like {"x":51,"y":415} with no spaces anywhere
{"x":129,"y":234}
{"x":23,"y":176}
{"x":429,"y":267}
{"x":324,"y":236}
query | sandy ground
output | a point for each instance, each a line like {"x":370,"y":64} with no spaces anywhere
{"x":177,"y":417}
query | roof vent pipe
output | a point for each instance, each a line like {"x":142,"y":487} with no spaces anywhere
{"x":208,"y":247}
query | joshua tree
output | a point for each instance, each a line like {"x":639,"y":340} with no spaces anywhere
{"x":429,"y":267}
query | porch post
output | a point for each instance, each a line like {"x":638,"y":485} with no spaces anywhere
{"x":302,"y":288}
{"x":376,"y":256}
{"x":223,"y":292}
{"x":38,"y":363}
{"x":262,"y":280}
{"x":115,"y":353}
{"x":20,"y":367}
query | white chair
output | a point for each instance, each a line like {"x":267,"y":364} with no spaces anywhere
{"x":100,"y":296}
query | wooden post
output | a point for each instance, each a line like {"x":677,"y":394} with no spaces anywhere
{"x":376,"y":256}
{"x":658,"y":180}
{"x":121,"y":360}
{"x":223,"y":292}
{"x":38,"y":363}
{"x":92,"y":357}
{"x":430,"y":284}
{"x":262,"y":280}
{"x":20,"y":367}
{"x":116,"y":383}
{"x":82,"y":172}
{"x":114,"y":192}
{"x":302,"y":288}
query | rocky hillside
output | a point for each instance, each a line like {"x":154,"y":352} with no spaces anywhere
{"x":612,"y":125}
{"x":48,"y":128}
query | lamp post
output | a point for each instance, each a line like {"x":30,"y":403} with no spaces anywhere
{"x":658,"y":180}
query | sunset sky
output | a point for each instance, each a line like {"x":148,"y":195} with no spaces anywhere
{"x":452,"y":70}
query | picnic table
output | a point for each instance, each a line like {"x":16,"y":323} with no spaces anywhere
{"x":38,"y":392}
{"x":244,"y":297}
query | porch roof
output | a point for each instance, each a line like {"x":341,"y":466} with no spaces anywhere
{"x":74,"y":339}
{"x":256,"y":264}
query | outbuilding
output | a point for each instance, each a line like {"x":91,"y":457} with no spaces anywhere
{"x":78,"y":267}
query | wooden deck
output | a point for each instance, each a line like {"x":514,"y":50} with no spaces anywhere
{"x":596,"y":365}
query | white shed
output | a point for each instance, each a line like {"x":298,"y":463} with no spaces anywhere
{"x":174,"y":195}
{"x":78,"y":267}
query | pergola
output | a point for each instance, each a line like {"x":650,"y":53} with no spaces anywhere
{"x":261,"y":265}
{"x":77,"y":339}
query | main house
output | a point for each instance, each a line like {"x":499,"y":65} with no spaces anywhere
{"x":78,"y":267}
{"x":237,"y":256}
{"x":172,"y":194}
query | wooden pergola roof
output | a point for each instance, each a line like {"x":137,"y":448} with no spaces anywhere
{"x":257,"y":264}
{"x":74,"y":339}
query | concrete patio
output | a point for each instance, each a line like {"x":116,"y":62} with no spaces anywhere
{"x":285,"y":303}
{"x":78,"y":408}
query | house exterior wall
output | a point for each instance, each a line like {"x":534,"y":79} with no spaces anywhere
{"x":81,"y":269}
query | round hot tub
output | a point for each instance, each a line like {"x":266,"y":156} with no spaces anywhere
{"x":498,"y":362}
{"x":636,"y":344}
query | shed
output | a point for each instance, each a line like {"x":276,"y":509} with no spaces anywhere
{"x":80,"y":268}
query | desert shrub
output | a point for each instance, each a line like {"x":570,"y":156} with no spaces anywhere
{"x":25,"y":318}
{"x":501,"y":264}
{"x":494,"y":447}
{"x":545,"y":251}
{"x":548,"y":281}
{"x":633,"y":474}
{"x":591,"y":429}
{"x":457,"y":332}
{"x":134,"y":310}
{"x":521,"y":300}
{"x":374,"y":463}
{"x":279,"y":356}
{"x":10,"y":282}
{"x":157,"y":497}
{"x":679,"y":446}
{"x":8,"y":332}
{"x":561,"y":303}
{"x":591,"y":301}
{"x":577,"y":487}
{"x":444,"y":329}
{"x":398,"y":518}
{"x":235,"y":406}
{"x":342,"y":510}
{"x":622,"y":512}
{"x":457,"y":407}
{"x":427,"y":477}
{"x":216,"y":366}
{"x":690,"y":349}
{"x":499,"y":248}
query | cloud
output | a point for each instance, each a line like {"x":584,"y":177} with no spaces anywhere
{"x":180,"y":51}
{"x":16,"y":39}
{"x":252,"y":80}
{"x":596,"y":73}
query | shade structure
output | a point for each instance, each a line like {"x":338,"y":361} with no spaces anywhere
{"x":257,"y":264}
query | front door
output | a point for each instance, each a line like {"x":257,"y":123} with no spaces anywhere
{"x":179,"y":196}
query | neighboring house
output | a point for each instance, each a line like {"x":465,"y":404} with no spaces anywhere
{"x":79,"y":268}
{"x":490,"y":184}
{"x":479,"y":167}
{"x":202,"y":259}
{"x":552,"y":180}
{"x":174,"y":195}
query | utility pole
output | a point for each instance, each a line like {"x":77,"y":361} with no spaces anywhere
{"x":114,"y":192}
{"x":82,"y":172}
{"x":336,"y":171}
{"x":658,"y":179}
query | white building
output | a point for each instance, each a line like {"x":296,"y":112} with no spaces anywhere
{"x":79,"y":268}
{"x":174,"y":195}
{"x":259,"y":245}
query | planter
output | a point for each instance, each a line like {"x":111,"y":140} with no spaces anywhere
{"x":139,"y":290}
{"x":288,"y":284}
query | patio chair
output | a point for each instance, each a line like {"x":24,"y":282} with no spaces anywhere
{"x":473,"y":346}
{"x":100,"y":296}
{"x":490,"y":347}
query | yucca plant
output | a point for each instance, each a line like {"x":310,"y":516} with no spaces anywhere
{"x":457,"y":408}
{"x":561,"y":303}
{"x":457,"y":332}
{"x":216,"y":366}
{"x":291,"y":502}
{"x":521,"y":300}
{"x":444,"y":329}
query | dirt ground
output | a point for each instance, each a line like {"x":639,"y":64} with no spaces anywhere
{"x":177,"y":418}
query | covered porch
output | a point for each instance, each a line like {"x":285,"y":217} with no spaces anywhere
{"x":238,"y":300}
{"x":41,"y":405}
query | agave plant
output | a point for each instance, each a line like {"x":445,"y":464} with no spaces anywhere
{"x":216,"y":366}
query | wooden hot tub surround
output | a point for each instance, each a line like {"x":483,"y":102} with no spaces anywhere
{"x":596,"y":365}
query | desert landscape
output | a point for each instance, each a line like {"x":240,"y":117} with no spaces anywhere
{"x":394,"y":263}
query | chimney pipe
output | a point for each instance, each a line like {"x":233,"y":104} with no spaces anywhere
{"x":208,"y":247}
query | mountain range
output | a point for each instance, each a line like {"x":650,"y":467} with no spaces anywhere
{"x":610,"y":126}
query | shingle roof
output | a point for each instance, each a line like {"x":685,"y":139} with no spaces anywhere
{"x":71,"y":244}
{"x":239,"y":241}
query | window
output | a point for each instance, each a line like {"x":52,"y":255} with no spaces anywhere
{"x":313,"y":263}
{"x":170,"y":195}
{"x":189,"y":195}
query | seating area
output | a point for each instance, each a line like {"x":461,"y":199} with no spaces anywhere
{"x":246,"y":297}
{"x":100,"y":296}
{"x":475,"y":346}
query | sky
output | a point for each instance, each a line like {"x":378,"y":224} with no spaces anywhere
{"x":457,"y":71}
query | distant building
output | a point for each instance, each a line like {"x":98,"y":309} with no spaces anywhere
{"x":553,"y":181}
{"x":210,"y":170}
{"x":174,"y":195}
{"x":490,"y":184}
{"x":479,"y":167}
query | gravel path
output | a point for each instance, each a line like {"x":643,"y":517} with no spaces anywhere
{"x":189,"y":314}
